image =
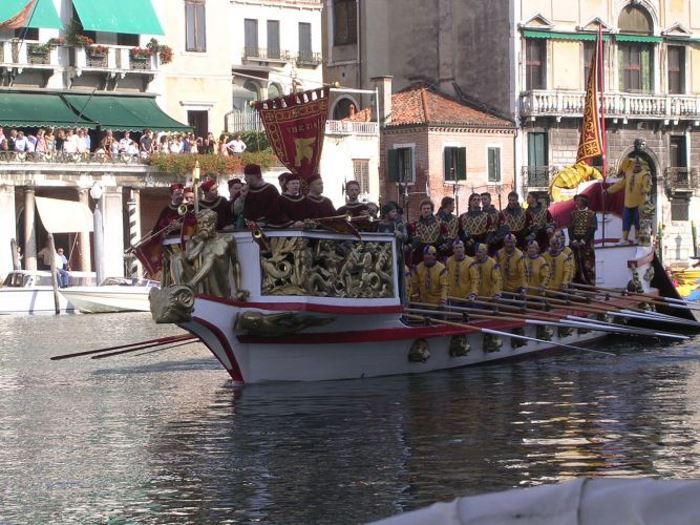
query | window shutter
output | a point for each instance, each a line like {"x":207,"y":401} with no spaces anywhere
{"x":393,"y":165}
{"x":446,"y":163}
{"x":646,"y":69}
{"x":201,"y":32}
{"x":621,"y":52}
{"x":408,"y":175}
{"x":461,"y":163}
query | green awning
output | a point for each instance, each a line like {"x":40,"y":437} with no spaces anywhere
{"x":134,"y":17}
{"x":639,"y":38}
{"x":37,"y":110}
{"x":558,"y":35}
{"x":124,"y":113}
{"x":44,"y":14}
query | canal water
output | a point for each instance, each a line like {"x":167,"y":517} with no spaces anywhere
{"x":164,"y":437}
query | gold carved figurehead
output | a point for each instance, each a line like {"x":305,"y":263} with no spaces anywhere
{"x":172,"y":304}
{"x":273,"y":325}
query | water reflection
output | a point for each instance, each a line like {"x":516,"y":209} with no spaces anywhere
{"x":165,"y":438}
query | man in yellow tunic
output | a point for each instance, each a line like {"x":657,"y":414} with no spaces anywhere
{"x":512,"y":264}
{"x":458,"y":281}
{"x":560,"y":263}
{"x":485,"y":274}
{"x":536,"y":269}
{"x":636,"y":183}
{"x":429,"y":279}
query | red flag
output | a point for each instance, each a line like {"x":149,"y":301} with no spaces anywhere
{"x":590,"y":144}
{"x":150,"y":254}
{"x":21,"y":19}
{"x":295,"y":126}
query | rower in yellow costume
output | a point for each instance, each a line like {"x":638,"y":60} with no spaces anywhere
{"x":429,"y":279}
{"x":485,"y":274}
{"x":561,"y":264}
{"x":458,"y":276}
{"x":512,"y":264}
{"x":536,"y":269}
{"x":637,"y":184}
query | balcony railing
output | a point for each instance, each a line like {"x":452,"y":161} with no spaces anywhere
{"x":542,"y":103}
{"x":250,"y":121}
{"x":309,"y":59}
{"x":61,"y":157}
{"x":681,"y":179}
{"x":115,"y":58}
{"x":537,"y":177}
{"x":264,"y":54}
{"x":25,"y":54}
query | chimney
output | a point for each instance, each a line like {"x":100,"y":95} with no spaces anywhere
{"x":383,"y":85}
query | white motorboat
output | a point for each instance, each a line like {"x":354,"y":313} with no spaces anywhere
{"x":114,"y":294}
{"x":31,"y":292}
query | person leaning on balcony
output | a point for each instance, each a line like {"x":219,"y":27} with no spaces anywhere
{"x":146,"y":143}
{"x":636,"y":183}
{"x":41,"y":146}
{"x":236,"y":146}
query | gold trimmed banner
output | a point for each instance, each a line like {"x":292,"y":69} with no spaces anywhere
{"x":590,"y":144}
{"x":295,"y":126}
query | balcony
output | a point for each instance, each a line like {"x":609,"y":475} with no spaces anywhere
{"x":681,"y":180}
{"x":309,"y":59}
{"x":263,"y":54}
{"x":19,"y":55}
{"x":555,"y":103}
{"x":537,"y":178}
{"x":111,"y":59}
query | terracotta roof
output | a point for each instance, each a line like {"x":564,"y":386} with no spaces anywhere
{"x":420,"y":103}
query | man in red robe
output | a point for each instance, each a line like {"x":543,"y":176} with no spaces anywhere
{"x":292,"y":202}
{"x":259,"y":201}
{"x":316,"y":204}
{"x":170,"y":213}
{"x":211,"y":200}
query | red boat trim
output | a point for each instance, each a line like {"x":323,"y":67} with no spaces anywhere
{"x":235,"y":370}
{"x":308,"y":307}
{"x":376,"y":336}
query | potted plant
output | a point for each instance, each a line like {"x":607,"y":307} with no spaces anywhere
{"x":165,"y":53}
{"x":97,"y":51}
{"x":140,"y":53}
{"x":83,"y":41}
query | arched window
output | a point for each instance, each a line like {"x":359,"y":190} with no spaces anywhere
{"x":342,"y":108}
{"x":253,"y":88}
{"x":274,"y":90}
{"x":635,"y":19}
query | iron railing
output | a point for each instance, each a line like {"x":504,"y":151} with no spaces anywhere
{"x":681,"y":179}
{"x":309,"y":59}
{"x":264,"y":53}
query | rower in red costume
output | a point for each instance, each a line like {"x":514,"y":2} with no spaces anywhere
{"x":170,"y":213}
{"x":292,"y":202}
{"x":211,"y":200}
{"x":316,"y":204}
{"x":259,"y":201}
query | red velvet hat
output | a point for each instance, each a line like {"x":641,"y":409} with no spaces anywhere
{"x":207,"y":185}
{"x":176,"y":186}
{"x":189,"y":189}
{"x":292,"y":176}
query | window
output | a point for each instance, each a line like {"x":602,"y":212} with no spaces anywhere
{"x":274,"y":90}
{"x":455,"y":164}
{"x":676,"y":151}
{"x":344,"y":22}
{"x":676,"y":69}
{"x":127,"y":40}
{"x":305,"y":53}
{"x":635,"y":19}
{"x":199,"y":120}
{"x":195,"y":26}
{"x":535,"y":58}
{"x":27,"y":33}
{"x":537,"y":169}
{"x":679,"y":208}
{"x":251,"y":37}
{"x":494,"y":160}
{"x":360,"y":168}
{"x":635,"y":67}
{"x":400,"y":163}
{"x":273,"y":39}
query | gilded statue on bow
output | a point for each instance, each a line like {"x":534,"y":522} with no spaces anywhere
{"x":328,"y":268}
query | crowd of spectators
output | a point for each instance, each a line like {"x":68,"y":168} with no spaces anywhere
{"x":76,"y":144}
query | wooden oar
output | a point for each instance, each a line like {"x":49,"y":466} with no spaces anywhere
{"x":649,"y":298}
{"x":120,"y":352}
{"x":144,"y":344}
{"x":506,"y":334}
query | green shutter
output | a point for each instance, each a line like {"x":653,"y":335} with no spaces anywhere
{"x":408,"y":175}
{"x":461,"y":163}
{"x":393,"y":165}
{"x":446,"y":163}
{"x":494,"y":164}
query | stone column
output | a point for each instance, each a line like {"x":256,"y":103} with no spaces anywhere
{"x":8,"y":231}
{"x":84,"y":237}
{"x":134,"y":207}
{"x":29,"y":230}
{"x":113,"y":216}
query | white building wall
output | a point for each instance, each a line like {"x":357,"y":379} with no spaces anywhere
{"x":337,"y":167}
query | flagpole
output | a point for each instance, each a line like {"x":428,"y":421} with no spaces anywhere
{"x":603,"y":134}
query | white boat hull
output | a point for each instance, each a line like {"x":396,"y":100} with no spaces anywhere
{"x":38,"y":300}
{"x":108,"y":299}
